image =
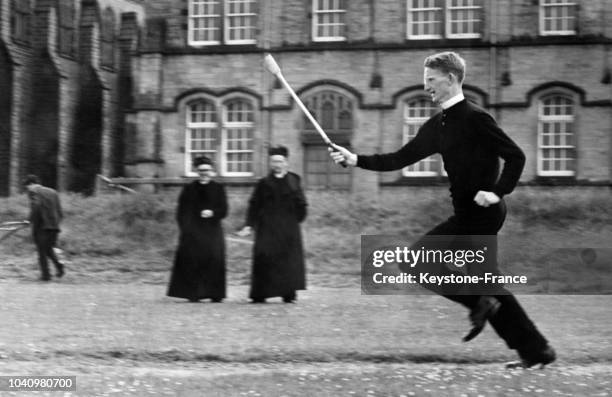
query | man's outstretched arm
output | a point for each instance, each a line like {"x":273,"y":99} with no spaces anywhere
{"x":420,"y":147}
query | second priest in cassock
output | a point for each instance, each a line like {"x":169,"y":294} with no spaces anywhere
{"x":276,"y":209}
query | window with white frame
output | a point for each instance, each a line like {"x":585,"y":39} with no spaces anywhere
{"x":240,"y":21}
{"x":238,"y":138}
{"x":202,"y":132}
{"x":557,"y":17}
{"x":425,"y":19}
{"x":556,"y":136}
{"x":204,"y":22}
{"x":328,"y":20}
{"x":416,"y":113}
{"x":434,"y":19}
{"x":463,"y":18}
{"x":222,"y":22}
{"x":227,"y":140}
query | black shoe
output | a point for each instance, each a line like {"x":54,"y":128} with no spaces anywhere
{"x":216,"y":300}
{"x":194,"y":300}
{"x":258,"y":300}
{"x":543,"y":358}
{"x":486,"y":307}
{"x":290,"y":298}
{"x":60,"y":270}
{"x":45,"y":277}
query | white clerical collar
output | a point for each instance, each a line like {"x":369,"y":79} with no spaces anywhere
{"x":453,"y":101}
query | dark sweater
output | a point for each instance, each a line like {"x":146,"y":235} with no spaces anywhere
{"x":471,"y":144}
{"x":45,"y":209}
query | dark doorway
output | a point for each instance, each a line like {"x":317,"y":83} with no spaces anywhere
{"x":42,"y":125}
{"x":86,"y":157}
{"x":6,"y":105}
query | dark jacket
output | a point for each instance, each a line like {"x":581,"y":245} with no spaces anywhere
{"x":45,"y":209}
{"x":471,"y":144}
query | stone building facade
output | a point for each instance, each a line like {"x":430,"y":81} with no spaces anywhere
{"x":542,"y":68}
{"x":63,"y":71}
{"x":194,"y":82}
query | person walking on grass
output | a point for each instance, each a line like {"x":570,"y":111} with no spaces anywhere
{"x":471,"y":143}
{"x":199,"y":264}
{"x":276,"y":209}
{"x":45,"y":217}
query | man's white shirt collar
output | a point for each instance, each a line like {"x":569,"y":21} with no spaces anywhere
{"x":452,"y":101}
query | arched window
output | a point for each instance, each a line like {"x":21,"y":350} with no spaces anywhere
{"x":21,"y":16}
{"x":556,"y":136}
{"x":416,"y":113}
{"x":222,"y":131}
{"x":202,"y":132}
{"x":66,"y":31}
{"x":238,"y":134}
{"x":107,"y":38}
{"x":334,"y":112}
{"x":327,"y":115}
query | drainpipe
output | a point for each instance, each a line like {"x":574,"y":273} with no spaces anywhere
{"x":494,"y":87}
{"x":268,"y":82}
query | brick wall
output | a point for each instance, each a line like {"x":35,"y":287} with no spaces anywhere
{"x":525,"y":71}
{"x":511,"y":74}
{"x":43,"y":89}
{"x":582,"y":66}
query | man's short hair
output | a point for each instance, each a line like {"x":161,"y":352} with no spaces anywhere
{"x":447,"y":62}
{"x":31,"y":180}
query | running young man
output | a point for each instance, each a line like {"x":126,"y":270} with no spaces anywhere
{"x":471,"y":143}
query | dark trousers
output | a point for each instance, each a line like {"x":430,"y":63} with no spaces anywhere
{"x":510,"y":322}
{"x":45,"y":240}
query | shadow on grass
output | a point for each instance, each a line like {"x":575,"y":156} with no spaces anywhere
{"x":303,"y":357}
{"x":174,"y":355}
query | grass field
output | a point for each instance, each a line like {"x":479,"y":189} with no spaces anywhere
{"x":120,"y":339}
{"x":109,"y":323}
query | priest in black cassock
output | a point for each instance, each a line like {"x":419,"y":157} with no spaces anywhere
{"x":199,"y":263}
{"x":276,"y":208}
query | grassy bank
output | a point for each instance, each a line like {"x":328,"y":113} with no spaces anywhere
{"x":135,"y":235}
